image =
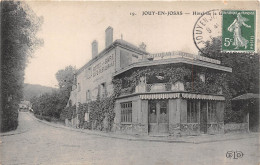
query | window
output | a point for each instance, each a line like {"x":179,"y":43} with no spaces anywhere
{"x":202,"y":77}
{"x":126,"y":112}
{"x":88,"y":95}
{"x":86,"y":117}
{"x":99,"y":91}
{"x":212,"y":111}
{"x":192,"y":111}
{"x":78,"y":87}
{"x":152,"y":111}
{"x":163,"y":118}
{"x":103,"y":90}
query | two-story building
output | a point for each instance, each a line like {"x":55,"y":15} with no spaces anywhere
{"x":173,"y":93}
{"x":95,"y":77}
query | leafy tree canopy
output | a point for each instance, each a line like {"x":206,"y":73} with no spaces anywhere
{"x":19,"y":25}
{"x":245,"y":68}
{"x":65,"y":77}
{"x":53,"y":104}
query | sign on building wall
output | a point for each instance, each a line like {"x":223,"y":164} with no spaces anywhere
{"x":103,"y":65}
{"x":176,"y":54}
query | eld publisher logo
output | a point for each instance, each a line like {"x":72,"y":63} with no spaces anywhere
{"x":234,"y":154}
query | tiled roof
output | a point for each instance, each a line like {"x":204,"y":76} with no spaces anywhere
{"x":118,"y":42}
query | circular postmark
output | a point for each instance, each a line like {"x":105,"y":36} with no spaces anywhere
{"x":207,"y":27}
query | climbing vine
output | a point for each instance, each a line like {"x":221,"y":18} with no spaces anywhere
{"x":82,"y":109}
{"x":212,"y":85}
{"x":101,"y":111}
{"x":67,"y":113}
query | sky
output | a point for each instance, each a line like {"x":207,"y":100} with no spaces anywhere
{"x":70,"y":27}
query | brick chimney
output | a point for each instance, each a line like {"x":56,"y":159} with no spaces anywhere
{"x":109,"y":36}
{"x":94,"y":48}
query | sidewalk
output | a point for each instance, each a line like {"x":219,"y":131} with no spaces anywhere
{"x":168,"y":139}
{"x":20,"y":129}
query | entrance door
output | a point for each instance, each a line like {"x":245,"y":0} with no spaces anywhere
{"x":203,"y":117}
{"x":158,"y":116}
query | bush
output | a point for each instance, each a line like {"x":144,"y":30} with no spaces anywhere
{"x":49,"y":104}
{"x":67,"y":113}
{"x":9,"y":117}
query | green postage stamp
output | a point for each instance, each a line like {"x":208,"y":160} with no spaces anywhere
{"x":238,"y":31}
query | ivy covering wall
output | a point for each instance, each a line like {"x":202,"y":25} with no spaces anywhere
{"x":101,"y":112}
{"x":214,"y":81}
{"x":67,"y":113}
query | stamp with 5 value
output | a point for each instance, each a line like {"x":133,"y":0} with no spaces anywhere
{"x":237,"y":28}
{"x":238,"y":31}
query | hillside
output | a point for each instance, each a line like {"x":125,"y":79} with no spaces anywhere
{"x":31,"y":90}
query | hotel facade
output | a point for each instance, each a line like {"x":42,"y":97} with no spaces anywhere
{"x":171,"y":93}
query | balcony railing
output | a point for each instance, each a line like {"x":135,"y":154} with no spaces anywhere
{"x":158,"y":87}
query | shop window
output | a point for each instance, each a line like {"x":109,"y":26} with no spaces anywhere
{"x":163,"y":118}
{"x":153,"y":112}
{"x":126,"y":112}
{"x":192,"y":111}
{"x":212,"y":111}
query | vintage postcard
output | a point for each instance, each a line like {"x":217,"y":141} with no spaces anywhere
{"x":129,"y":83}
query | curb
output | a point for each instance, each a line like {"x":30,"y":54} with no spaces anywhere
{"x":107,"y":135}
{"x":14,"y":133}
{"x":114,"y":136}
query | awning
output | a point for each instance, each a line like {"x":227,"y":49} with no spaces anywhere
{"x":180,"y":95}
{"x":160,"y":96}
{"x":202,"y":97}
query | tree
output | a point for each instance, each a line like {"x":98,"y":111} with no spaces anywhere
{"x":65,"y":78}
{"x":245,"y":68}
{"x":53,"y":104}
{"x":243,"y":79}
{"x":19,"y":25}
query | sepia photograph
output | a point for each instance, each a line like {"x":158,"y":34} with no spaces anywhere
{"x":129,"y":82}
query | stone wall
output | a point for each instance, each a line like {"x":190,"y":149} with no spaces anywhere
{"x":236,"y":127}
{"x":134,"y":129}
{"x":215,"y":128}
{"x":174,"y":129}
{"x":190,"y":129}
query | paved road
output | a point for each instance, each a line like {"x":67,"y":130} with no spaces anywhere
{"x":39,"y":143}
